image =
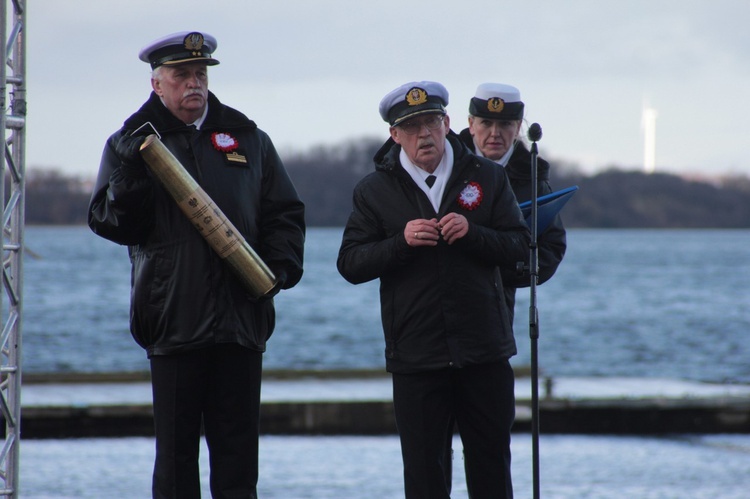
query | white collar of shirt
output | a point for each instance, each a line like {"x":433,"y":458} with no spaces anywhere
{"x":199,"y":122}
{"x":442,"y":173}
{"x":502,"y":161}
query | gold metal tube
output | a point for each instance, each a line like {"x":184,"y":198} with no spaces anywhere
{"x":207,"y":218}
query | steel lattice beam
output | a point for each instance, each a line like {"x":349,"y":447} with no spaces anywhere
{"x":12,"y":193}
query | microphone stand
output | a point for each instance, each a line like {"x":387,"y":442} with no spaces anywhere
{"x":535,"y":134}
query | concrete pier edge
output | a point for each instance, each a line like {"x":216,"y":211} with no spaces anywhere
{"x":632,"y":416}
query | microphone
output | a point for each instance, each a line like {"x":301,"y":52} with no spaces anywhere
{"x":535,"y":132}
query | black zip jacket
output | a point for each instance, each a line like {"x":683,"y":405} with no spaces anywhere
{"x":441,"y":306}
{"x":183,"y":295}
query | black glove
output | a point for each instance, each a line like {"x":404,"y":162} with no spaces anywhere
{"x":128,"y":149}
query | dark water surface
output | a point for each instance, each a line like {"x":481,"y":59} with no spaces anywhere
{"x":655,"y":303}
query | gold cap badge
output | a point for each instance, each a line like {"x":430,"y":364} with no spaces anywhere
{"x":495,"y":105}
{"x":194,"y":42}
{"x":416,"y":96}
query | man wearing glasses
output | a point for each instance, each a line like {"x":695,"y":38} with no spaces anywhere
{"x":435,"y":224}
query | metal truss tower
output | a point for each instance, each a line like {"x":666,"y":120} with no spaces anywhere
{"x":12,"y":193}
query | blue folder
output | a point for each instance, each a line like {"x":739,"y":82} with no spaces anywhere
{"x":548,"y":206}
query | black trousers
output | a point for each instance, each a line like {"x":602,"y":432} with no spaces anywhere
{"x":217,"y":389}
{"x":481,"y":401}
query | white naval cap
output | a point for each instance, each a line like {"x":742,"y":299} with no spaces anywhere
{"x":412,"y":99}
{"x":180,"y":48}
{"x":497,"y":101}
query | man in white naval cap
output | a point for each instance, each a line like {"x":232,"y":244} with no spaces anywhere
{"x":203,"y":333}
{"x":496,"y":114}
{"x":434,"y":223}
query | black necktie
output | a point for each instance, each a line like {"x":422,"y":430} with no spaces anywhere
{"x":430,"y":180}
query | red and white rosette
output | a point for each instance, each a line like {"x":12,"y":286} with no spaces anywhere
{"x":224,"y":142}
{"x":471,"y":196}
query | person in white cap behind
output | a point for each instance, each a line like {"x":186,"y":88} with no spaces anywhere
{"x":496,"y":113}
{"x":434,"y":223}
{"x":203,"y":333}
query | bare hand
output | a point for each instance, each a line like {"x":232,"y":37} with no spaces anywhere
{"x":453,"y":227}
{"x":422,"y":232}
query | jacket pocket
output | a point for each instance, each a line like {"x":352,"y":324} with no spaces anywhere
{"x":150,"y":277}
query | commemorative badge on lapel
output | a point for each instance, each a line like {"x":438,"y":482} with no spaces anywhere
{"x":224,"y":142}
{"x":471,"y":196}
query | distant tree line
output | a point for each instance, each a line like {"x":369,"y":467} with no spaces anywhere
{"x":326,"y":175}
{"x":53,"y":198}
{"x":622,"y":199}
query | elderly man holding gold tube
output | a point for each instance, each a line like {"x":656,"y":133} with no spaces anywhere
{"x":211,"y":241}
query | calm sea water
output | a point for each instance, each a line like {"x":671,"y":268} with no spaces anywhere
{"x":572,"y":467}
{"x":656,"y":303}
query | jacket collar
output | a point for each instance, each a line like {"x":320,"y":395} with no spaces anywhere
{"x":387,"y":156}
{"x":519,"y":165}
{"x":219,"y":116}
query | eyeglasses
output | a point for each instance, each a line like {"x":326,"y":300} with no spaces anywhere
{"x":432,"y":122}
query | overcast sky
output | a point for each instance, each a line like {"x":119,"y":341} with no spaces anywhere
{"x":313,"y":72}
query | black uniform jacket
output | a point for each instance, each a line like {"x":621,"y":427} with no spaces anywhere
{"x":441,"y":306}
{"x":551,"y":242}
{"x":183,"y":295}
